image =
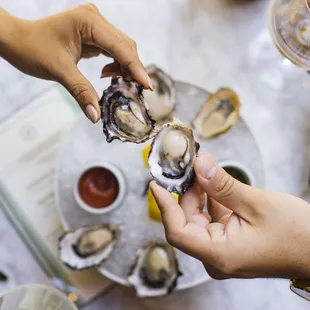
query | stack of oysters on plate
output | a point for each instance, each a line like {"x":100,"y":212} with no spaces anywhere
{"x":131,"y":114}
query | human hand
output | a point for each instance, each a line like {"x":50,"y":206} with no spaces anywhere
{"x":247,"y":232}
{"x":50,"y":49}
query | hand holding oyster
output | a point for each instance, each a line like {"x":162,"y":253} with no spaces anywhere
{"x":124,"y":112}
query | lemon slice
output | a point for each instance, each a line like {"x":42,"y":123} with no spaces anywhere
{"x":145,"y":155}
{"x":153,"y":209}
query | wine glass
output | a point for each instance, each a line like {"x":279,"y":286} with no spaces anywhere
{"x":288,"y":32}
{"x":289,"y":26}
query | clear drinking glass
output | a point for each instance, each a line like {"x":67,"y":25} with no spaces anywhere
{"x":35,"y":297}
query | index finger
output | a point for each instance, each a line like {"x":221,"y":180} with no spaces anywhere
{"x":121,"y":48}
{"x":172,"y":214}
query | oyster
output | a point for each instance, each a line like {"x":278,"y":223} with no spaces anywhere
{"x":87,"y":247}
{"x":218,"y":114}
{"x":124,"y":112}
{"x":156,"y":270}
{"x":161,"y":101}
{"x":172,"y":156}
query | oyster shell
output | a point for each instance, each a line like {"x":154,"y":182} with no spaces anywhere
{"x":124,"y":112}
{"x":87,"y":247}
{"x":162,"y":100}
{"x":156,"y":270}
{"x":218,"y":114}
{"x":172,"y":156}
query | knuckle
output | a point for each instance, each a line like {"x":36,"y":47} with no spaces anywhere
{"x":133,"y":43}
{"x":85,"y":13}
{"x":79,"y":92}
{"x":129,"y":62}
{"x":226,"y":185}
{"x":89,"y":7}
{"x":93,"y":7}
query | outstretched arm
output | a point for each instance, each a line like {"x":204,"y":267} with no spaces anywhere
{"x":50,"y":49}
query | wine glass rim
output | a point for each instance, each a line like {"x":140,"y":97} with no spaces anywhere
{"x":307,"y":4}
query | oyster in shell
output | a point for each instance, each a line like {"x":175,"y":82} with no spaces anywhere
{"x":218,"y":114}
{"x":156,"y":270}
{"x":161,"y":101}
{"x":88,"y":247}
{"x":172,"y":156}
{"x":124,"y":112}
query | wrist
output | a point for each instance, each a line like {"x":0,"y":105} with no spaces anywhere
{"x":10,"y":27}
{"x":300,"y":264}
{"x":303,"y":257}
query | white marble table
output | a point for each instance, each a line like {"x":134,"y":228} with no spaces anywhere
{"x":208,"y":43}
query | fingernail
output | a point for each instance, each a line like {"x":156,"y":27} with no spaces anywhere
{"x":91,"y":113}
{"x":211,"y":173}
{"x":206,"y":167}
{"x":150,"y":83}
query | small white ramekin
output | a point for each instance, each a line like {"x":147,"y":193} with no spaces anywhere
{"x":121,"y":193}
{"x":242,"y":168}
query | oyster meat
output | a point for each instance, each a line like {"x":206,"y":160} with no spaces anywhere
{"x":162,"y":100}
{"x":156,"y":270}
{"x":88,"y":247}
{"x":124,"y":112}
{"x":218,"y":114}
{"x":172,"y":155}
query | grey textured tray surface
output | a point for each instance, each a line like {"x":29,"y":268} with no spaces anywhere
{"x":86,"y":143}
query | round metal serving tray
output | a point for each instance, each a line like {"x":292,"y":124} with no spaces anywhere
{"x":86,"y":144}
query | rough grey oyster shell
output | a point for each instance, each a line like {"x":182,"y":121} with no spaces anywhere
{"x":162,"y":100}
{"x":89,"y":246}
{"x":156,"y":270}
{"x":172,"y":156}
{"x":124,"y":112}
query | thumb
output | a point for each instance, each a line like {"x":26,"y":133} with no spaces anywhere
{"x":82,"y":91}
{"x":223,"y":188}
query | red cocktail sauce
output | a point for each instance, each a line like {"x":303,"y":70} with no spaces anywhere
{"x":98,"y":187}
